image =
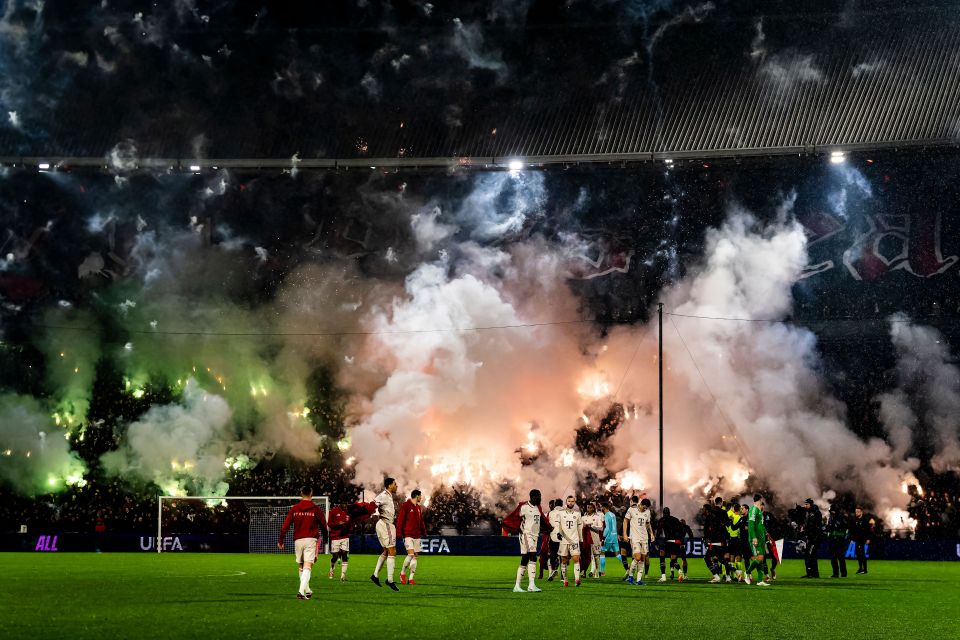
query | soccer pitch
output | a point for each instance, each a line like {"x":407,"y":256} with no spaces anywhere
{"x":174,"y":595}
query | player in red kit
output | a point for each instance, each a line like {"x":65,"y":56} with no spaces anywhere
{"x":340,"y":526}
{"x":411,"y":528}
{"x":308,"y":523}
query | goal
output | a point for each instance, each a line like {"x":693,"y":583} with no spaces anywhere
{"x":257,"y":520}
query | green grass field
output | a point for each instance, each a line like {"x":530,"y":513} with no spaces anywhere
{"x":174,"y":595}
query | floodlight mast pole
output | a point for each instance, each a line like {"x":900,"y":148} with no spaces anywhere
{"x":660,"y":389}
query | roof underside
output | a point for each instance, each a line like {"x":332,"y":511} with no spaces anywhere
{"x":893,"y":87}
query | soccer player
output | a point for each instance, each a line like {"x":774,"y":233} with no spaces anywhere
{"x":774,"y":532}
{"x":745,"y":549}
{"x":308,"y":524}
{"x":340,"y":526}
{"x":757,"y":536}
{"x":611,"y":545}
{"x":687,"y":535}
{"x":625,"y":553}
{"x":734,"y":548}
{"x":386,"y":533}
{"x":674,"y":544}
{"x":528,"y":520}
{"x":712,"y":541}
{"x":570,"y":524}
{"x":593,"y":526}
{"x":721,"y":514}
{"x":411,"y":527}
{"x":636,"y":526}
{"x":554,"y":563}
{"x":544,"y":564}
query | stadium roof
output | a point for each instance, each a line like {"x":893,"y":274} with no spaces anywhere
{"x":879,"y":87}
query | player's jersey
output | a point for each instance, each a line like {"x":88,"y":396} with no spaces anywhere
{"x":610,"y":527}
{"x":339,"y":524}
{"x":755,"y":525}
{"x":595,"y":522}
{"x":671,"y":528}
{"x":639,"y":521}
{"x":386,"y":508}
{"x":552,"y":517}
{"x":733,"y":525}
{"x":571,"y":524}
{"x":529,"y":520}
{"x":307,"y":519}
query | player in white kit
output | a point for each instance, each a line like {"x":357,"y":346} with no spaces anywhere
{"x":571,"y":525}
{"x":593,"y":520}
{"x":386,"y":532}
{"x":531,"y":518}
{"x":636,"y":527}
{"x":556,"y":507}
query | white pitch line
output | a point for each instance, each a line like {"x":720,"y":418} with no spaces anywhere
{"x":232,"y":574}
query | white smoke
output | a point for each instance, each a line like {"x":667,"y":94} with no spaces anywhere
{"x":180,"y":447}
{"x":744,"y":396}
{"x":689,"y":15}
{"x":468,"y":43}
{"x":35,"y":458}
{"x":457,"y":405}
{"x":123,"y":156}
{"x":790,"y":69}
{"x":927,"y":375}
{"x":428,"y":231}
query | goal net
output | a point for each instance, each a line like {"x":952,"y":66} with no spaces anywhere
{"x":251,"y":521}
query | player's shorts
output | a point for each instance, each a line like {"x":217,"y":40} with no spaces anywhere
{"x":734,"y":548}
{"x":305,"y":549}
{"x":641,"y":547}
{"x":528,"y":543}
{"x":611,"y":545}
{"x":411,"y":544}
{"x":386,"y":534}
{"x":675,"y":549}
{"x":758,"y":549}
{"x":569,"y":549}
{"x":714,"y":548}
{"x":341,"y":545}
{"x":595,"y":549}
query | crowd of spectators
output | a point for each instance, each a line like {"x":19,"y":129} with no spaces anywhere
{"x":937,"y":513}
{"x":114,"y":505}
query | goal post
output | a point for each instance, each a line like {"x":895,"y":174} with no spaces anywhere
{"x":259,"y":517}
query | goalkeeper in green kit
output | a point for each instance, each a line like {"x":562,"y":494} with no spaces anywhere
{"x":757,"y":534}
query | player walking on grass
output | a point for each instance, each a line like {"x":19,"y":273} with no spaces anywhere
{"x":611,"y":544}
{"x":308,"y":524}
{"x":386,"y":532}
{"x":734,"y":547}
{"x":556,"y":507}
{"x":636,"y":527}
{"x":674,"y":544}
{"x":570,"y":524}
{"x":757,"y":535}
{"x":411,"y":527}
{"x":528,"y":520}
{"x":593,"y":537}
{"x":340,"y":525}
